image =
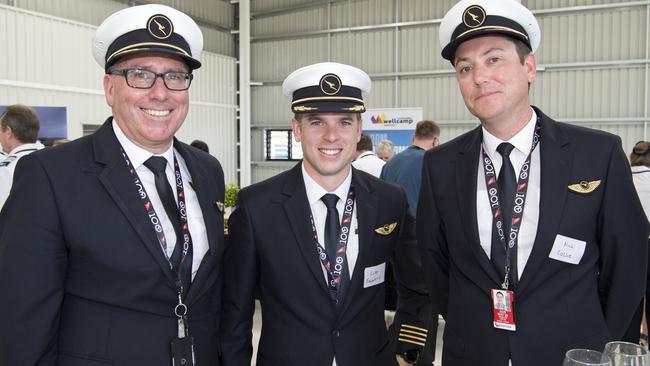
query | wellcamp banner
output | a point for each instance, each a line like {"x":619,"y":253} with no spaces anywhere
{"x":394,"y":124}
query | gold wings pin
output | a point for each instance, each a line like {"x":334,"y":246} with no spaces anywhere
{"x":386,"y":229}
{"x":585,"y":186}
{"x":220,"y":206}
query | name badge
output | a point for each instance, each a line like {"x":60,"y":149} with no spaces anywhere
{"x":567,"y":249}
{"x":374,"y":275}
{"x":503,"y":310}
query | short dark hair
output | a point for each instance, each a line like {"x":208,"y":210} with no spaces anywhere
{"x":640,"y":155}
{"x":426,"y":130}
{"x":23,"y":122}
{"x":364,"y":144}
{"x":522,"y":49}
{"x":200,"y":145}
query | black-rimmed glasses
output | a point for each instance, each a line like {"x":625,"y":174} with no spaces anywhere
{"x":145,"y":79}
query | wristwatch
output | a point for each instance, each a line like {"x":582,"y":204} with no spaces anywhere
{"x":411,"y":356}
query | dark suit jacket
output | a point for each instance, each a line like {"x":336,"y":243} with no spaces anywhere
{"x":558,"y":306}
{"x":83,"y":277}
{"x":271,"y":247}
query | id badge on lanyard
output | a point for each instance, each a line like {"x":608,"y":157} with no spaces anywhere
{"x":503,"y":309}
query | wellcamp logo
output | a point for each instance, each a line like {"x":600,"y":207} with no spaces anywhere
{"x":397,"y":121}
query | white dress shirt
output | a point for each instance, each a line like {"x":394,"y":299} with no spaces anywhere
{"x":369,"y":163}
{"x":195,"y":221}
{"x":319,"y":212}
{"x":522,"y":142}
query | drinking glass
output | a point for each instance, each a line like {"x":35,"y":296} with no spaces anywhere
{"x":585,"y":357}
{"x":627,"y":354}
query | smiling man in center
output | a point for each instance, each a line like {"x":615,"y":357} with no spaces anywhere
{"x":315,"y":243}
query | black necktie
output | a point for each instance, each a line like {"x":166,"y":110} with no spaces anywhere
{"x":157,"y":165}
{"x":332,"y":231}
{"x":332,"y":225}
{"x":507,"y":183}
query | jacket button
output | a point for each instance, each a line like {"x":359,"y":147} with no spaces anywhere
{"x":336,"y":333}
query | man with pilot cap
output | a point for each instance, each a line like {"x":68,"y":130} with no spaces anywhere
{"x":315,"y":241}
{"x":110,"y":245}
{"x":523,"y":207}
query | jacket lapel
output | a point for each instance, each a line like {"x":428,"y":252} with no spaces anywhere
{"x":298,"y":211}
{"x":466,"y":176}
{"x":554,"y":172}
{"x":367,"y":209}
{"x":119,"y":184}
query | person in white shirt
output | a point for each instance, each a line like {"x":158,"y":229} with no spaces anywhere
{"x":19,"y":127}
{"x":385,"y":150}
{"x":366,"y":159}
{"x":542,"y":211}
{"x":314,"y":242}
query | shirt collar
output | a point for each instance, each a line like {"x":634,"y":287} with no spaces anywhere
{"x":364,"y":154}
{"x":28,"y":146}
{"x":315,"y":191}
{"x":522,"y":141}
{"x":136,"y":154}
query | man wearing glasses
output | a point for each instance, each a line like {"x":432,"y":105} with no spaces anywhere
{"x":110,"y":245}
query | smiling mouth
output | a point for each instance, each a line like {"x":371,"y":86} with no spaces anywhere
{"x":156,"y":112}
{"x":330,"y":152}
{"x":485,"y":95}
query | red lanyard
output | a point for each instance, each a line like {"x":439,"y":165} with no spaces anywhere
{"x":519,"y":201}
{"x":153,"y":217}
{"x":334,"y":272}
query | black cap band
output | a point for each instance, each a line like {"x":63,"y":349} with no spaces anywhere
{"x":141,"y":40}
{"x":491,"y":24}
{"x":316,"y":99}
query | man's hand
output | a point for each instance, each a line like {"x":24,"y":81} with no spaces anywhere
{"x":401,"y":361}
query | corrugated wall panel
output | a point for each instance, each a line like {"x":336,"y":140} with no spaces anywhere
{"x":299,"y":21}
{"x":552,"y":4}
{"x":372,"y":51}
{"x":215,"y":11}
{"x":615,"y":93}
{"x":218,"y":128}
{"x":265,"y":5}
{"x":270,"y":107}
{"x":87,"y":11}
{"x":36,"y":49}
{"x":364,"y":12}
{"x":412,"y":10}
{"x":274,"y":60}
{"x":439,"y":96}
{"x":382,"y":94}
{"x":95,"y":11}
{"x":449,"y":131}
{"x":602,"y":36}
{"x":420,"y":49}
{"x":216,"y":80}
{"x":261,"y":172}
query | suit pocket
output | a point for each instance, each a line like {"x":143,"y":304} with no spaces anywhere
{"x":71,"y":359}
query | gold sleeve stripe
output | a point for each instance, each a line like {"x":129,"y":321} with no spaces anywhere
{"x":416,"y":328}
{"x":406,"y":331}
{"x":422,"y":339}
{"x":410,"y":341}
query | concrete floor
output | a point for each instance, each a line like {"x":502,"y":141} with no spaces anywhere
{"x":257,"y":326}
